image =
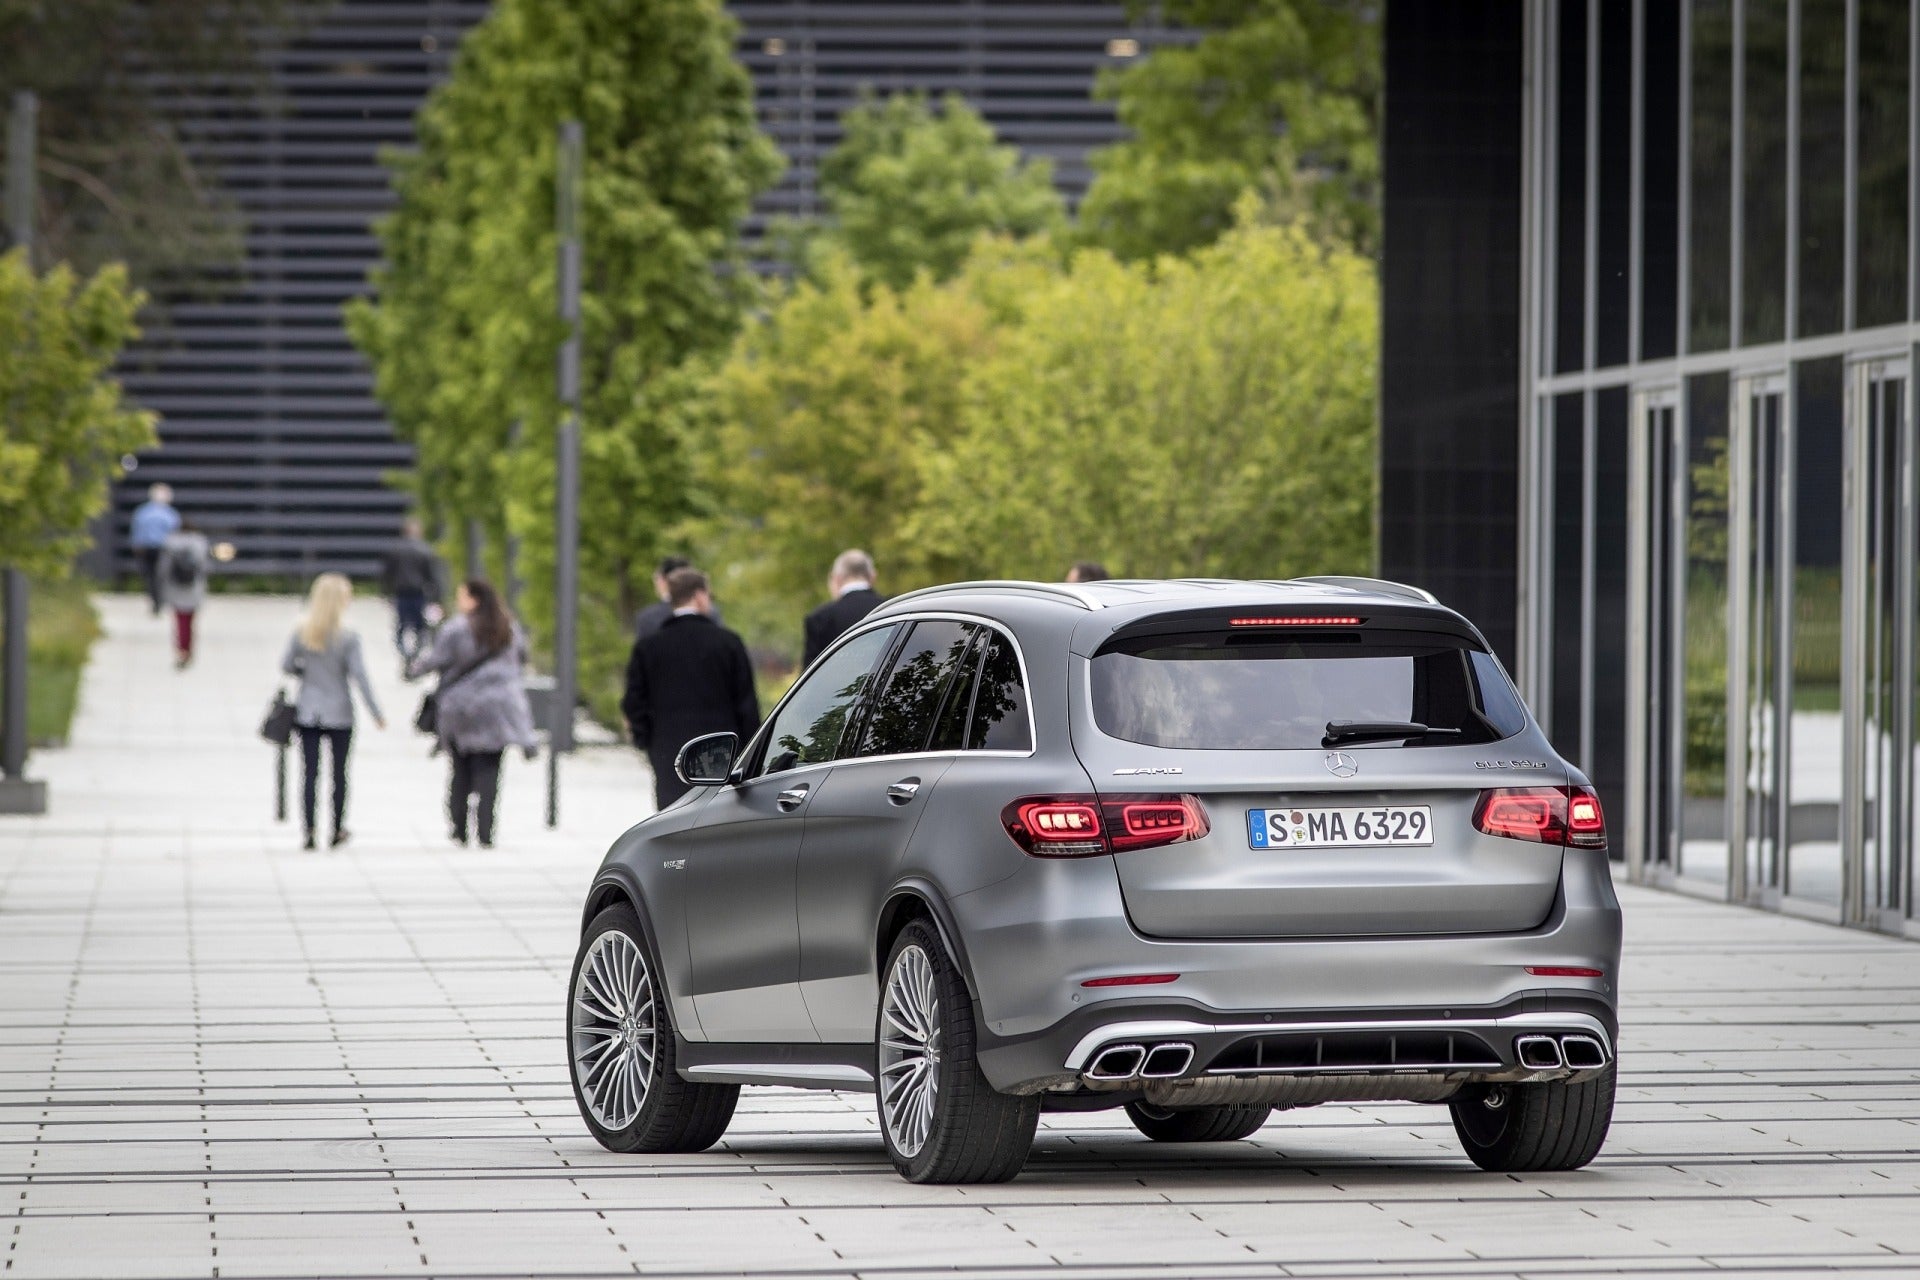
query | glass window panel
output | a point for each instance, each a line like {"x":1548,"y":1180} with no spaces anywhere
{"x":1711,"y":164}
{"x":808,"y":728}
{"x":1570,"y":187}
{"x":901,"y":719}
{"x":1881,"y":296}
{"x":1703,"y":600}
{"x":1813,"y":719}
{"x":1614,"y":234}
{"x":1823,"y":165}
{"x":1569,"y":624}
{"x":1660,"y":181}
{"x":1763,"y":178}
{"x":1000,"y":721}
{"x":1608,"y":768}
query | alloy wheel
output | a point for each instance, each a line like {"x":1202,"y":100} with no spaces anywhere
{"x":910,"y":1051}
{"x":614,"y":1029}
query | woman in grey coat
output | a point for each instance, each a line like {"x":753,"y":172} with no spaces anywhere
{"x":481,"y":703}
{"x":181,"y":574}
{"x":326,"y":656}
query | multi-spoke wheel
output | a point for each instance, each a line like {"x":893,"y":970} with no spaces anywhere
{"x":941,"y":1120}
{"x":620,"y":1048}
{"x":1528,"y":1128}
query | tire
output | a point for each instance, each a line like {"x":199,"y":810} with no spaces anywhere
{"x":1535,"y":1128}
{"x":631,"y":1102}
{"x":940,"y":1119}
{"x":1197,"y":1124}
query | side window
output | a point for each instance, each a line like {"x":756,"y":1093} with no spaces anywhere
{"x":950,"y":734}
{"x":1000,"y":705}
{"x":807,"y":729}
{"x":903,"y":712}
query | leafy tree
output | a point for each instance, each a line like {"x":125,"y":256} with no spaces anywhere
{"x":1280,"y":96}
{"x":63,"y":425}
{"x":115,"y":182}
{"x":463,"y":333}
{"x":910,"y":189}
{"x":1203,"y":416}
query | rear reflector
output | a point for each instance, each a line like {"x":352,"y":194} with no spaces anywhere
{"x":1564,"y":971}
{"x":1087,"y":826}
{"x":1567,"y":816}
{"x":1132,"y":980}
{"x":1293,"y":622}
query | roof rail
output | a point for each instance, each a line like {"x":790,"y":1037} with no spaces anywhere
{"x":1052,"y":590}
{"x":1379,"y":586}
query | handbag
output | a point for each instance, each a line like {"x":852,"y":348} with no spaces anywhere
{"x":427,"y":718}
{"x":277,"y":726}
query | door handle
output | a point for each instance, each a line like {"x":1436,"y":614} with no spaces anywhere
{"x":904,"y":790}
{"x":792,"y":798}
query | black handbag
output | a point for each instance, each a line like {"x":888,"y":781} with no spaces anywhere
{"x":277,"y":727}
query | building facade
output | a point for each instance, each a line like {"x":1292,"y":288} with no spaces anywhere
{"x":271,"y":436}
{"x":1692,"y":359}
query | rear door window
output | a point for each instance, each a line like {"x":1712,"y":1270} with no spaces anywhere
{"x":902,"y":717}
{"x":1215,"y":691}
{"x":950,"y":731}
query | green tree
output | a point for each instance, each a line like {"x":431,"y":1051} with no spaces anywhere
{"x":462,"y":333}
{"x":115,"y":180}
{"x":909,"y":189}
{"x":63,"y":425}
{"x":1208,"y":416}
{"x":1280,"y":96}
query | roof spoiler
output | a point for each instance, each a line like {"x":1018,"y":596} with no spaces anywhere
{"x":1378,"y":586}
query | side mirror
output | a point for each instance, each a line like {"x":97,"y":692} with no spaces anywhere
{"x":707,"y":761}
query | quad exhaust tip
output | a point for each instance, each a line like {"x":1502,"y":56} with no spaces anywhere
{"x":1117,"y":1062}
{"x":1583,"y":1053}
{"x":1166,"y":1061}
{"x":1539,"y":1053}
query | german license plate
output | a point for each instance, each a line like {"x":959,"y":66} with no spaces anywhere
{"x":1321,"y":828}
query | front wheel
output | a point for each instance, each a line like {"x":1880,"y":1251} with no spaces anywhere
{"x":620,"y":1048}
{"x":1197,"y":1124}
{"x":1535,"y":1128}
{"x":941,"y":1120}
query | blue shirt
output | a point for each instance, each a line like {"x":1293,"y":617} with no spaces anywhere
{"x":152,"y":522}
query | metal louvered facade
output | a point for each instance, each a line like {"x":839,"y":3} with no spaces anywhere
{"x":270,"y":433}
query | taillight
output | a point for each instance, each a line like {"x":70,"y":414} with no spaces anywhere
{"x":1567,"y":816}
{"x":1086,"y":826}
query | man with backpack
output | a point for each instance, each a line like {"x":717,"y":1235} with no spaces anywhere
{"x":181,"y":571}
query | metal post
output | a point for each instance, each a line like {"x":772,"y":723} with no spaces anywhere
{"x":566,"y":514}
{"x":17,"y":795}
{"x":510,"y":560}
{"x":476,"y":549}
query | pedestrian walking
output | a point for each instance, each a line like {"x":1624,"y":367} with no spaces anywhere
{"x":326,"y":658}
{"x":689,"y":678}
{"x":480,"y":704}
{"x":153,"y":520}
{"x":650,"y":619}
{"x":1088,"y":571}
{"x":412,"y":577}
{"x":854,"y":597}
{"x":181,"y":571}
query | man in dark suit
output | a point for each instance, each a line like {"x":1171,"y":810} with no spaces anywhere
{"x":650,"y":619}
{"x":691,"y":677}
{"x":851,"y":584}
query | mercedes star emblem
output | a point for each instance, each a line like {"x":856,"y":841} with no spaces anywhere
{"x":1342,"y":765}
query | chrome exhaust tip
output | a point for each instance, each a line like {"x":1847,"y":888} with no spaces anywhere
{"x":1583,"y":1053}
{"x":1539,"y":1053}
{"x":1117,"y":1062}
{"x":1165,"y":1061}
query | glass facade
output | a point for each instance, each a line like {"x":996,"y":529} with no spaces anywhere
{"x":1718,"y":609}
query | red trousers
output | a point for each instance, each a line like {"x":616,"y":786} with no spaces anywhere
{"x":183,"y":632}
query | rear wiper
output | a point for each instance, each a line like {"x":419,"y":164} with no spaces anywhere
{"x":1339,"y":731}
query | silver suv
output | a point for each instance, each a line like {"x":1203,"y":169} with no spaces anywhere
{"x":1198,"y":849}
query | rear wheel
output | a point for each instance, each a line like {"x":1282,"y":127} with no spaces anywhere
{"x":620,"y":1048}
{"x":1535,"y":1128}
{"x":941,"y":1120}
{"x":1197,"y":1124}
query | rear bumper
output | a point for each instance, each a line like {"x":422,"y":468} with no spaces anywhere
{"x":1035,"y":938}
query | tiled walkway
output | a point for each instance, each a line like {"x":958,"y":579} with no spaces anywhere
{"x":223,"y":1057}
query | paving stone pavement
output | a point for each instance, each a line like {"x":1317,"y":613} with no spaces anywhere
{"x":222,"y":1057}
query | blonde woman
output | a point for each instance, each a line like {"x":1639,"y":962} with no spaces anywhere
{"x":326,"y":657}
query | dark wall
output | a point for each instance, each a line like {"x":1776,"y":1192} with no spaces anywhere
{"x":1450,"y":306}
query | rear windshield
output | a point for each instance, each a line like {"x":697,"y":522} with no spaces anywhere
{"x":1257,"y":692}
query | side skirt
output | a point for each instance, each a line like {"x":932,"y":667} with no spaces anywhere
{"x":796,"y":1066}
